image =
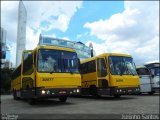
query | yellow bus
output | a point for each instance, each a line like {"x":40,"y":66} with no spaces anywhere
{"x":46,"y":72}
{"x":109,"y":74}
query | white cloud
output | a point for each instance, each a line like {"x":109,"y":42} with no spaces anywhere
{"x":56,"y":13}
{"x":31,"y":38}
{"x":65,"y":38}
{"x":135,"y":31}
{"x":100,"y":48}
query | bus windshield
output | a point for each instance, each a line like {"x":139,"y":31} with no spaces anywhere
{"x":120,"y":65}
{"x":143,"y":71}
{"x":155,"y":71}
{"x":57,"y":61}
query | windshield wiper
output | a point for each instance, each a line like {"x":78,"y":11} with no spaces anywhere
{"x":51,"y":72}
{"x":70,"y":71}
{"x":130,"y":71}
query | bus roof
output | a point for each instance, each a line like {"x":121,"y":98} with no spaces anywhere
{"x":55,"y":48}
{"x":81,"y":49}
{"x":105,"y":54}
{"x":157,"y":63}
{"x":154,"y":64}
{"x":141,"y":67}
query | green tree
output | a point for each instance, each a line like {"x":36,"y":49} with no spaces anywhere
{"x":6,"y":79}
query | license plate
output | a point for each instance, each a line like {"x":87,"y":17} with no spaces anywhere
{"x":62,"y":92}
{"x":129,"y":90}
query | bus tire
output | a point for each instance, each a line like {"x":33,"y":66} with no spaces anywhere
{"x":15,"y":95}
{"x":93,"y":91}
{"x":117,"y":96}
{"x":63,"y":99}
{"x":31,"y":101}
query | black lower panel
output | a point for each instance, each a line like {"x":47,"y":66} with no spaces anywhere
{"x":28,"y":93}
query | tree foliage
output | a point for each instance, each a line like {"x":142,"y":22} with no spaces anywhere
{"x":6,"y":79}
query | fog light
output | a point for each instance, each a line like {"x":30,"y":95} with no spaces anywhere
{"x":120,"y":90}
{"x":74,"y":91}
{"x":43,"y":91}
{"x":117,"y":90}
{"x":77,"y":90}
{"x":48,"y":92}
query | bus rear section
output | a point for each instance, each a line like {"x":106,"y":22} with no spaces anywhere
{"x":109,"y":74}
{"x":50,"y":72}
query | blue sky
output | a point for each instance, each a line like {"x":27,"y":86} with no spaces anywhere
{"x":129,"y":27}
{"x":90,"y":12}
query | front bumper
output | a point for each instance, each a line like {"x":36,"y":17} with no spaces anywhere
{"x":57,"y":92}
{"x":156,"y":89}
{"x":125,"y":91}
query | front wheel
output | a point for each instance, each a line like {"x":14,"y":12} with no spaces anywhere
{"x":63,"y":99}
{"x":15,"y":95}
{"x":93,"y":91}
{"x":32,"y":101}
{"x":117,"y":96}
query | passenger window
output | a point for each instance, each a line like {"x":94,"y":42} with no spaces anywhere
{"x":28,"y":63}
{"x":101,"y":66}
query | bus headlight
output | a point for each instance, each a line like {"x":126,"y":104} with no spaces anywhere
{"x":77,"y":90}
{"x":43,"y":91}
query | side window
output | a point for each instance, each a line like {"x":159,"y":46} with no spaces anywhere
{"x":28,"y":63}
{"x":82,"y":68}
{"x":88,"y":67}
{"x":16,"y":73}
{"x":91,"y":66}
{"x":101,"y":67}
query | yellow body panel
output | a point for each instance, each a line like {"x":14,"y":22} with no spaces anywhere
{"x":124,"y":81}
{"x":16,"y":83}
{"x":58,"y":80}
{"x":89,"y":79}
{"x":104,"y":55}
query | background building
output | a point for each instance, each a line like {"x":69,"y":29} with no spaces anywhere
{"x":3,"y":46}
{"x":3,"y":43}
{"x":8,"y":64}
{"x":21,"y":32}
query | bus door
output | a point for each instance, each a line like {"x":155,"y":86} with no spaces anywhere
{"x":102,"y":76}
{"x":28,"y":81}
